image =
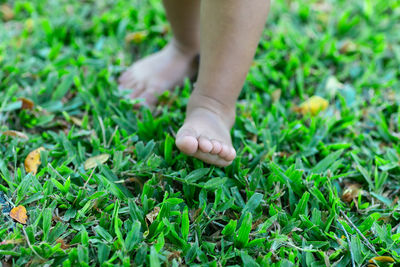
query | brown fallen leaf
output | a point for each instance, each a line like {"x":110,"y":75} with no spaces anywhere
{"x":64,"y":245}
{"x":7,"y":12}
{"x":26,"y":103}
{"x":136,"y":37}
{"x":174,"y":255}
{"x":382,"y":259}
{"x":351,"y":192}
{"x":394,"y":202}
{"x":92,"y":162}
{"x":32,"y":161}
{"x":313,"y":105}
{"x":15,"y":134}
{"x":19,"y":214}
{"x":153,"y":215}
{"x":348,"y":46}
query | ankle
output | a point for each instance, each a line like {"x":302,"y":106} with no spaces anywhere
{"x":190,"y":51}
{"x":225,"y":112}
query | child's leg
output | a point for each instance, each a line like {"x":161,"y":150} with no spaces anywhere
{"x":168,"y":68}
{"x":230,"y":31}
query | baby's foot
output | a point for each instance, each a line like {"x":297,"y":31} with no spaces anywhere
{"x":206,"y":132}
{"x":150,"y":77}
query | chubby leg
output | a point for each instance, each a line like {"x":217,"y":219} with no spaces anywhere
{"x":150,"y":77}
{"x":230,"y":31}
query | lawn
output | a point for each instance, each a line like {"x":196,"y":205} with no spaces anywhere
{"x":111,"y":188}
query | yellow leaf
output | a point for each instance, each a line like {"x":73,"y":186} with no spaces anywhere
{"x":77,"y":121}
{"x":32,"y":161}
{"x":382,"y":259}
{"x":19,"y":214}
{"x":313,"y":105}
{"x":92,"y":162}
{"x":136,"y":37}
{"x":29,"y":24}
{"x":15,"y":134}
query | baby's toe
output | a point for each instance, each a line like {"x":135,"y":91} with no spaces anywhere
{"x":123,"y":77}
{"x":205,"y":144}
{"x":211,"y":159}
{"x":232,"y":155}
{"x":137,"y":89}
{"x":126,"y":78}
{"x":216,"y":147}
{"x":186,"y":141}
{"x":149,"y":97}
{"x":225,"y":151}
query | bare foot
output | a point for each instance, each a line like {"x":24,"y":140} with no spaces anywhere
{"x":206,"y":132}
{"x":150,"y":77}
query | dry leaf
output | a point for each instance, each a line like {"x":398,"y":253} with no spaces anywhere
{"x":26,"y":103}
{"x":153,"y":215}
{"x":90,"y":163}
{"x":15,"y":134}
{"x":29,"y":24}
{"x":134,"y":180}
{"x":7,"y":263}
{"x":136,"y":37}
{"x":313,"y":105}
{"x":19,"y":214}
{"x":63,"y":244}
{"x":174,"y":255}
{"x":276,"y":95}
{"x":382,"y":259}
{"x":7,"y":12}
{"x":351,"y":192}
{"x":332,"y":85}
{"x":12,"y":241}
{"x":76,"y":121}
{"x":32,"y":161}
{"x":348,"y":46}
{"x":165,"y":29}
{"x":322,"y":7}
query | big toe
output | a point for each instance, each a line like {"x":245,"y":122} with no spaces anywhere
{"x":186,"y":141}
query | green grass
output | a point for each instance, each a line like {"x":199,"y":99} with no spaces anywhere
{"x":279,"y":204}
